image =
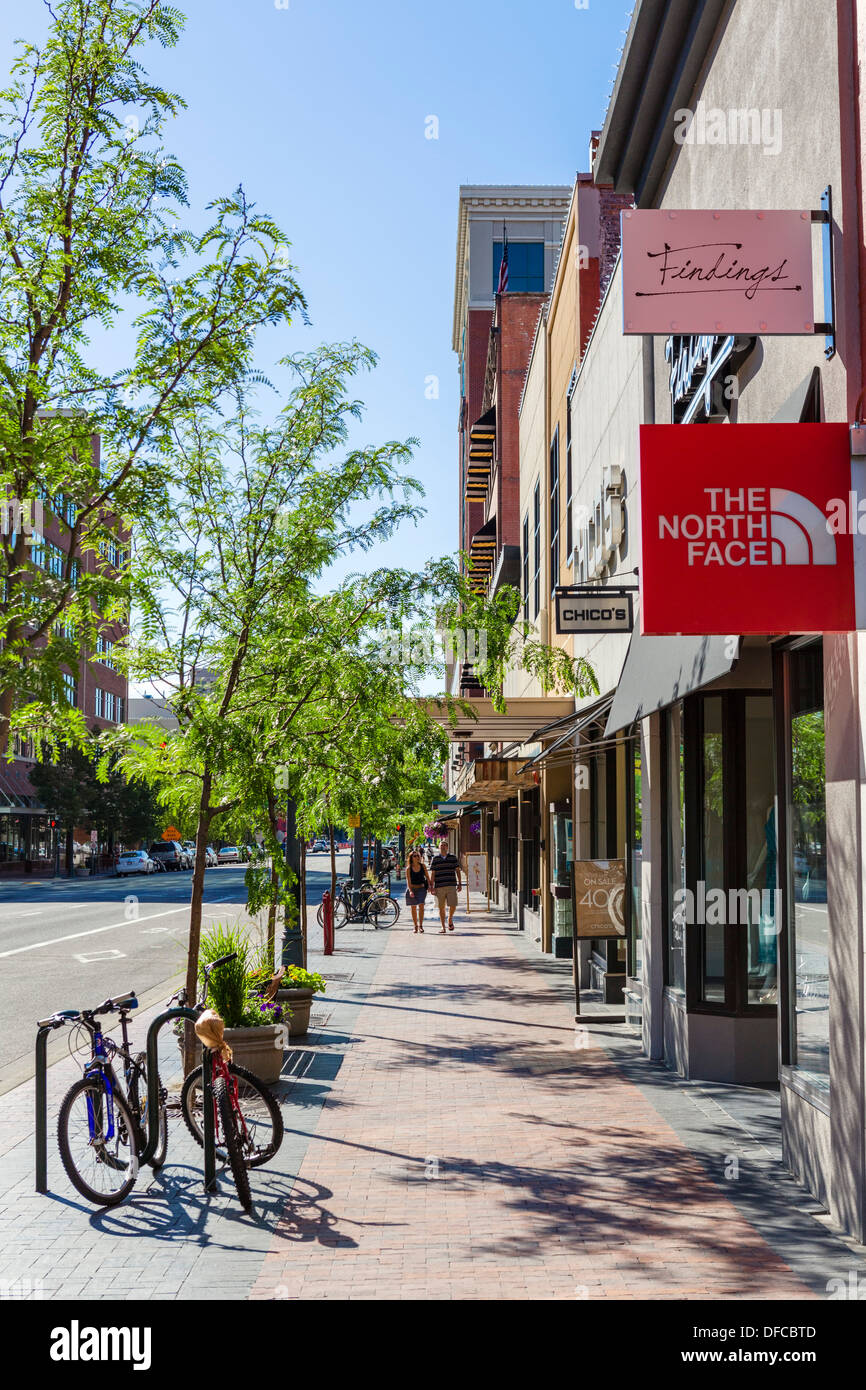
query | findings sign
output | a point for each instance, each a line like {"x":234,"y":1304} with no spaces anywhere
{"x":594,"y":610}
{"x":745,"y":529}
{"x":599,"y":897}
{"x":717,"y":272}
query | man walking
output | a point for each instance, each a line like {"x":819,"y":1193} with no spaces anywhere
{"x":445,"y":876}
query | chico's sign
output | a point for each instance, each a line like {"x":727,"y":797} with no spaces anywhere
{"x":717,"y":272}
{"x":740,"y":529}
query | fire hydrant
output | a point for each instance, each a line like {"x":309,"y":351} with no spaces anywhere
{"x":328,"y":922}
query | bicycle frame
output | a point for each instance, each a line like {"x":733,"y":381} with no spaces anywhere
{"x":221,"y":1067}
{"x":102,"y":1048}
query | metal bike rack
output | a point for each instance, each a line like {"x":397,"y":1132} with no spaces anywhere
{"x":153,"y":1096}
{"x":41,"y":1091}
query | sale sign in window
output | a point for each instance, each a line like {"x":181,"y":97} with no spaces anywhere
{"x":746,"y":529}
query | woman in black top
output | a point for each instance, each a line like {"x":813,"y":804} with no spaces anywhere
{"x":417,"y":884}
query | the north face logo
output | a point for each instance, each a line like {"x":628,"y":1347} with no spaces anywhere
{"x":752,"y":526}
{"x":798,"y":531}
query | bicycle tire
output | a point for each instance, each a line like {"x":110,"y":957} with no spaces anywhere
{"x":249,"y":1079}
{"x":228,"y":1124}
{"x":122,"y":1117}
{"x":387,"y":910}
{"x":340,"y":914}
{"x":140,"y":1107}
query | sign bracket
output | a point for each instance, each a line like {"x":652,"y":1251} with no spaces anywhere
{"x":824,"y":218}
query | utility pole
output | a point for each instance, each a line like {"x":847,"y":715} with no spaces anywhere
{"x":293,"y":936}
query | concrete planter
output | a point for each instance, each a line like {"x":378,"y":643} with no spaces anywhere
{"x":299,"y":1001}
{"x":260,"y":1050}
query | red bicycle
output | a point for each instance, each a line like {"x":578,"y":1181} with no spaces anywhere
{"x":248,"y":1122}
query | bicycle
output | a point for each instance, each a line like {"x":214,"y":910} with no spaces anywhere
{"x":373,"y":906}
{"x":254,"y":1130}
{"x":100,"y":1130}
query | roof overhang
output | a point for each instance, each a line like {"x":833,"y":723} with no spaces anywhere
{"x":522,"y":717}
{"x":667,"y":44}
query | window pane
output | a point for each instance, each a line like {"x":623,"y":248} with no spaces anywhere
{"x":636,"y":863}
{"x":713,"y":854}
{"x":762,"y":927}
{"x":808,"y":833}
{"x":676,"y":850}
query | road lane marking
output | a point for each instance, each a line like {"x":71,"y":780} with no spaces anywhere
{"x":94,"y":931}
{"x":94,"y":956}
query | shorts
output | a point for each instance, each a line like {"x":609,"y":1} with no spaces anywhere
{"x":418,"y":895}
{"x":447,"y":895}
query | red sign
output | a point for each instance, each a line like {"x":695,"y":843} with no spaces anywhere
{"x":717,"y":272}
{"x":746,"y":529}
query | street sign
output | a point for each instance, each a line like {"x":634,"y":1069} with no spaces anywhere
{"x":170,"y":834}
{"x":717,"y":272}
{"x":354,"y":822}
{"x":590,"y":609}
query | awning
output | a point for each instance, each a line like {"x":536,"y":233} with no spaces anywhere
{"x":482,"y":556}
{"x":484,"y":724}
{"x":802,"y":405}
{"x":578,"y":722}
{"x":660,"y":670}
{"x":482,"y":437}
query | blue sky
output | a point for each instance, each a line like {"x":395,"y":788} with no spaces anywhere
{"x":320,"y":109}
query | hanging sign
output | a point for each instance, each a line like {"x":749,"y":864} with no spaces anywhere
{"x":717,"y":272}
{"x":599,"y":897}
{"x":592,"y":609}
{"x":746,"y":529}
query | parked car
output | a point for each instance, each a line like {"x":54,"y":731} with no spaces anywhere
{"x":134,"y":861}
{"x":171,"y":853}
{"x":320,"y":847}
{"x":229,"y":854}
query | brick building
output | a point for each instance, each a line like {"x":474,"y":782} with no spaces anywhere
{"x":29,"y":841}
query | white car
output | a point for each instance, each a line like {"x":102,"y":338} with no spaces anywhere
{"x":135,"y":861}
{"x":229,"y":854}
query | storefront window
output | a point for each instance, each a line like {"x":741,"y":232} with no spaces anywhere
{"x":763,"y":902}
{"x":807,"y":820}
{"x":713,"y":852}
{"x":676,"y":848}
{"x":636,"y":863}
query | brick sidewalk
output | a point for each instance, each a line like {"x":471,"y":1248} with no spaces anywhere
{"x":468,"y":1150}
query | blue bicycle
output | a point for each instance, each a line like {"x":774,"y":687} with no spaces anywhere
{"x":101,"y":1129}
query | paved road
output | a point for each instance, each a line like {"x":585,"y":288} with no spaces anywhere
{"x":70,"y":943}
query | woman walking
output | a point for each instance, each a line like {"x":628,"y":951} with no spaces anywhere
{"x":417,"y":884}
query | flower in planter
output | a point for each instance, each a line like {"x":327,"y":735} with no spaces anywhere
{"x":298,"y":978}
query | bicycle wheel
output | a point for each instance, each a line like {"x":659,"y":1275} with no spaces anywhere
{"x":102,"y":1166}
{"x":387,"y":910}
{"x":229,"y":1126}
{"x":141,"y":1107}
{"x":340,"y":914}
{"x":263,"y":1118}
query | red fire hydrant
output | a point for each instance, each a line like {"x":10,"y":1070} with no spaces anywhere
{"x":328,"y":922}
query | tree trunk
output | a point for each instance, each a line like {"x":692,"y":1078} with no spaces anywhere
{"x":195,"y":902}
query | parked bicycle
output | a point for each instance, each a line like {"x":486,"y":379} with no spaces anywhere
{"x":102,"y":1129}
{"x":373,"y":907}
{"x":248,"y":1121}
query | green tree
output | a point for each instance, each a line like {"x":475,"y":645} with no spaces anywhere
{"x":90,"y":235}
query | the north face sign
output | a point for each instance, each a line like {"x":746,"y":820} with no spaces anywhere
{"x":738,"y":529}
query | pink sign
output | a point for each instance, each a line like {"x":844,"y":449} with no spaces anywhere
{"x":717,"y":272}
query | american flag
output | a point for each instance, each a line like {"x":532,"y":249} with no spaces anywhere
{"x":502,"y":287}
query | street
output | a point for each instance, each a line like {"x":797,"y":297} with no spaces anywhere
{"x":69,"y":943}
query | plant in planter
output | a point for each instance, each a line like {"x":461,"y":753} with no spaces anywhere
{"x":255,"y":1027}
{"x":297,"y":988}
